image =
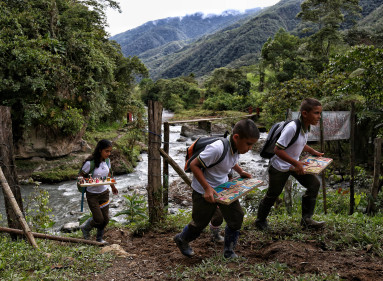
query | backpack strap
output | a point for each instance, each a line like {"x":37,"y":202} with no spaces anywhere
{"x":107,"y":161}
{"x":226,"y":143}
{"x":92,"y":166}
{"x":297,"y":132}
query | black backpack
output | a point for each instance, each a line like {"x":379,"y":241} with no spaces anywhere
{"x":199,"y":145}
{"x":274,"y":134}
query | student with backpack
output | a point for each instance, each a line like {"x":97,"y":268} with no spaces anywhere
{"x":97,"y":165}
{"x":245,"y":135}
{"x":286,"y":162}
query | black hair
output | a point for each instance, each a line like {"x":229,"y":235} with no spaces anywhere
{"x":308,"y":104}
{"x":246,"y":129}
{"x":96,"y":155}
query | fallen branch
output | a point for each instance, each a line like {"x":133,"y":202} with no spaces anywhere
{"x":52,"y":237}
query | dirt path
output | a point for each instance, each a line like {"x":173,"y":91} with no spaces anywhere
{"x":155,"y":255}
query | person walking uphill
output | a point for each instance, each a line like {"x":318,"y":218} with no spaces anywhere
{"x":245,"y":135}
{"x":98,"y":196}
{"x":286,"y":162}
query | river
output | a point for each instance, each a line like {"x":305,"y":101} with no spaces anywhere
{"x":64,"y":199}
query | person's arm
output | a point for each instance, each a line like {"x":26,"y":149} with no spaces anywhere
{"x":241,"y":172}
{"x":298,"y":165}
{"x":195,"y":167}
{"x":114,"y":189}
{"x":312,"y":151}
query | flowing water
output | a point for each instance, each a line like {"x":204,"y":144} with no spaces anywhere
{"x":65,"y":199}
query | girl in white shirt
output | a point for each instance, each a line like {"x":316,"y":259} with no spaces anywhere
{"x":98,"y":196}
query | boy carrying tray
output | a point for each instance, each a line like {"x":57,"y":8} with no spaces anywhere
{"x":286,"y":162}
{"x":245,"y":135}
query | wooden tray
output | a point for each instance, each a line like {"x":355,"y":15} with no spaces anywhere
{"x":232,"y":190}
{"x":315,"y":165}
{"x":98,"y":183}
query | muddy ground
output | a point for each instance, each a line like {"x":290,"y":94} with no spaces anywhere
{"x":154,"y":255}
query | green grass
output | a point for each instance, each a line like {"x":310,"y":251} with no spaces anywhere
{"x":63,"y":261}
{"x":52,"y":261}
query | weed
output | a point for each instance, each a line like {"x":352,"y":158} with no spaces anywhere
{"x":37,"y":210}
{"x":135,"y":208}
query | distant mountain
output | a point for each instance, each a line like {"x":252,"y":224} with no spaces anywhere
{"x":236,"y":45}
{"x":172,"y":48}
{"x":155,"y":34}
{"x":373,"y":20}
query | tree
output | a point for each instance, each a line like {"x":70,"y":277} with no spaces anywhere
{"x":286,"y":56}
{"x":7,"y":164}
{"x":326,"y":17}
{"x":175,"y":94}
{"x":58,"y":69}
{"x":224,"y":80}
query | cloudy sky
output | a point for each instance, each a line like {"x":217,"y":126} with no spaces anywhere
{"x":137,"y":12}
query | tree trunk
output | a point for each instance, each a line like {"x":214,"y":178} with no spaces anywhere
{"x":7,"y":164}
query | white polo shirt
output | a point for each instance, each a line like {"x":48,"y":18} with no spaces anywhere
{"x":219,"y":173}
{"x":101,"y":171}
{"x":294,"y":151}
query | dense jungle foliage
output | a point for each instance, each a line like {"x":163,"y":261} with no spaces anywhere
{"x":322,"y":64}
{"x":58,"y":68}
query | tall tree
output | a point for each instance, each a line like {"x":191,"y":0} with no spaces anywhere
{"x":58,"y":68}
{"x":327,"y":17}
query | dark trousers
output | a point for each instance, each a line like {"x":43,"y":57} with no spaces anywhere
{"x":277,"y":181}
{"x":217,"y":218}
{"x":100,"y":213}
{"x":203,"y":212}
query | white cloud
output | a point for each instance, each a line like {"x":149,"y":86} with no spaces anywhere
{"x":137,"y":12}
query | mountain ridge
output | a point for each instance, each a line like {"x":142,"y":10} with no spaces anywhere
{"x":234,"y":44}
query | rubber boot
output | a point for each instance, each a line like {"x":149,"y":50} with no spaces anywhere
{"x":231,"y":239}
{"x":99,"y":235}
{"x":263,"y":211}
{"x":215,"y":234}
{"x":308,"y":206}
{"x":86,"y":227}
{"x":182,"y":240}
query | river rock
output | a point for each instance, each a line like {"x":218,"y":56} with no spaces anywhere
{"x":189,"y":131}
{"x":48,"y":142}
{"x":70,"y":227}
{"x":116,"y":250}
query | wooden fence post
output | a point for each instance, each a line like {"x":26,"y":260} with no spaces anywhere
{"x":352,"y":159}
{"x":375,"y":184}
{"x":165,"y":167}
{"x":154,"y":187}
{"x":323,"y":175}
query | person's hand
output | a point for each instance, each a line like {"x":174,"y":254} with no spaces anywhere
{"x":114,"y":190}
{"x":209,"y":195}
{"x":244,"y":174}
{"x":298,"y":168}
{"x":317,"y":153}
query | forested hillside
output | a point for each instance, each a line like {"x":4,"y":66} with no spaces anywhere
{"x":232,"y":47}
{"x":178,"y":30}
{"x":236,"y":45}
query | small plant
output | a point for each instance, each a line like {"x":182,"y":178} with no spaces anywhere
{"x":135,"y":208}
{"x":37,"y":210}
